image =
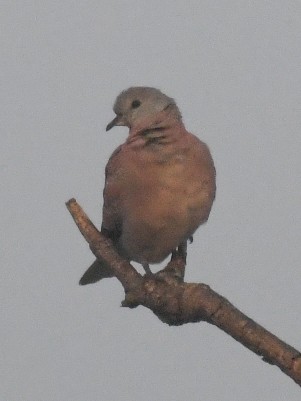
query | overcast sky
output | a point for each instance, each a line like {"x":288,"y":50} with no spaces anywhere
{"x":234,"y":68}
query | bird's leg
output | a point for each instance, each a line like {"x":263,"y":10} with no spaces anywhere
{"x":182,"y":250}
{"x":146,"y":268}
{"x":176,"y":266}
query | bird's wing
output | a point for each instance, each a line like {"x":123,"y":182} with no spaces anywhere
{"x":111,"y":224}
{"x":112,"y":195}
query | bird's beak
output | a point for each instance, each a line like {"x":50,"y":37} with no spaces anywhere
{"x":116,"y":121}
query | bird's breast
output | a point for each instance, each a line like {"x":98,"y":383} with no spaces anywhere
{"x":164,"y":198}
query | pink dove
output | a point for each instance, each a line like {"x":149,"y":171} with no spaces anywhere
{"x":160,"y":183}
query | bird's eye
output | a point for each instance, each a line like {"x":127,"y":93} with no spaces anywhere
{"x":135,"y":104}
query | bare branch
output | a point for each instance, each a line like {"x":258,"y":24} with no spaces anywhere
{"x":175,"y":302}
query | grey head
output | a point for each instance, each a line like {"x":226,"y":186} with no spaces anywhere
{"x":135,"y":104}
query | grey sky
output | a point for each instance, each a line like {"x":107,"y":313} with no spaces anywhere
{"x":234,"y":69}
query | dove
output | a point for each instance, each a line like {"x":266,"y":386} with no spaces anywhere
{"x":159,"y":184}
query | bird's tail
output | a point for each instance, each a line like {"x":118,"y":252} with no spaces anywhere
{"x":97,"y":271}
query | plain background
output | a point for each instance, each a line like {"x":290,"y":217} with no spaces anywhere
{"x":234,"y":68}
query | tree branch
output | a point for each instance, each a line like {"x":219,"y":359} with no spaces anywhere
{"x":175,"y":302}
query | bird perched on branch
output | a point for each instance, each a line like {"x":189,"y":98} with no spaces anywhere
{"x":160,"y":183}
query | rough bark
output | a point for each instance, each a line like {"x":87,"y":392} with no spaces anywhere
{"x":175,"y":302}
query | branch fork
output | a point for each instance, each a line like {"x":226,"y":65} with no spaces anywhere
{"x":176,"y":302}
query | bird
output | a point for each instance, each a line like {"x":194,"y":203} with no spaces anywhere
{"x":160,"y":184}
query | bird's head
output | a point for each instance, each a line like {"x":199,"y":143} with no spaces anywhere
{"x":138,"y":104}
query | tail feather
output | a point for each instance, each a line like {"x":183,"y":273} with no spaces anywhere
{"x":97,"y":271}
